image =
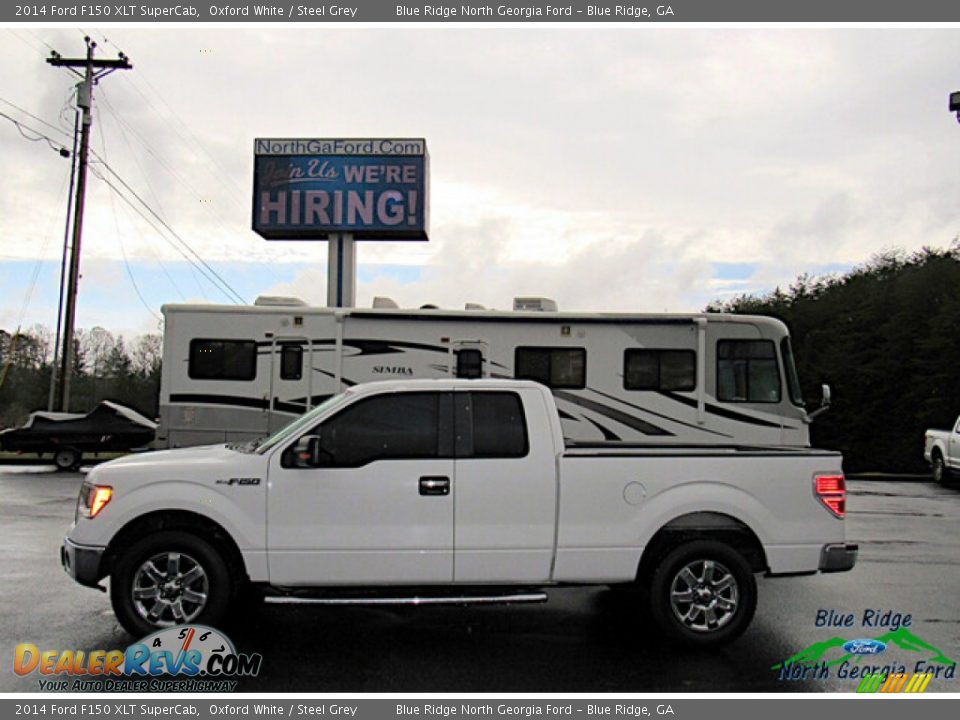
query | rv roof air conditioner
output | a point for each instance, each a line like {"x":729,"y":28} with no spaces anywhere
{"x":473,"y":306}
{"x":384,"y":302}
{"x":279,"y":301}
{"x":534,"y":304}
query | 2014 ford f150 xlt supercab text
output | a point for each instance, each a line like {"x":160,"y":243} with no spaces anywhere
{"x":454,"y":491}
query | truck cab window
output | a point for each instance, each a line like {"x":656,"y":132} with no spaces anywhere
{"x":655,"y":369}
{"x":553,"y":367}
{"x":222,"y":360}
{"x":291,"y":362}
{"x":747,"y":371}
{"x":386,"y":427}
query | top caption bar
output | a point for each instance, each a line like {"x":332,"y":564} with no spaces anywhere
{"x":505,"y":11}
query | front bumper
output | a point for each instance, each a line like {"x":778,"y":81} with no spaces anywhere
{"x":82,"y":562}
{"x":838,"y":557}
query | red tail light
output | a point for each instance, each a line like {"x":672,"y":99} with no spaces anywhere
{"x":831,"y":490}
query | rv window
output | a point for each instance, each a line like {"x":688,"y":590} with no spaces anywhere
{"x":291,"y":362}
{"x":386,"y":427}
{"x":659,"y":370}
{"x":222,"y":360}
{"x":469,"y":364}
{"x":499,"y":425}
{"x":553,"y":367}
{"x":747,"y":371}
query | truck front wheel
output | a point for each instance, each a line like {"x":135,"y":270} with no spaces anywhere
{"x":703,"y":593}
{"x":169,"y":578}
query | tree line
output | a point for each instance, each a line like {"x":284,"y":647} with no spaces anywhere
{"x":106,"y":367}
{"x":885,"y":337}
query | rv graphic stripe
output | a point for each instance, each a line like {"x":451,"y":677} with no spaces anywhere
{"x":660,"y":415}
{"x":621,"y":417}
{"x":210,"y":399}
{"x":608,"y":434}
{"x":724,"y":412}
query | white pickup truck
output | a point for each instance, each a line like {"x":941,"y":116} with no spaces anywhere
{"x":941,"y":448}
{"x":454,"y":491}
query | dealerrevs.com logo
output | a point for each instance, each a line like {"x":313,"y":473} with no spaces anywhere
{"x":185,"y":658}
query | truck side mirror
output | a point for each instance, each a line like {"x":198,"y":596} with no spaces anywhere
{"x":306,"y":453}
{"x":825,"y":399}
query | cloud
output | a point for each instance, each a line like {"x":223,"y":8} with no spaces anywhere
{"x":610,"y":169}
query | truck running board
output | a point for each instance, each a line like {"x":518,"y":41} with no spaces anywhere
{"x":492,"y":598}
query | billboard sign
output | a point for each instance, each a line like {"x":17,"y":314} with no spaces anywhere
{"x":311,"y":189}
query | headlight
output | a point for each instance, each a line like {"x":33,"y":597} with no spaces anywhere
{"x":93,"y":498}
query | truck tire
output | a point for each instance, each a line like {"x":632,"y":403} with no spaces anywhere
{"x":703,"y":593}
{"x":67,"y":458}
{"x":170,"y":578}
{"x":939,"y":468}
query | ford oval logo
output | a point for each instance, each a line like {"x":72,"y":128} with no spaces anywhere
{"x":864,"y":646}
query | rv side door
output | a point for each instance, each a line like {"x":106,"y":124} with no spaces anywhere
{"x":291,"y":381}
{"x":468,"y":359}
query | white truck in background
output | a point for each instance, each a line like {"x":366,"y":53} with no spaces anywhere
{"x":941,"y":448}
{"x":459,"y":491}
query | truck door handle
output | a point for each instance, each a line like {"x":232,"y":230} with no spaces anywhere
{"x":434,"y":485}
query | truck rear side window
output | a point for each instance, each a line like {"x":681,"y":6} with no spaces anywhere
{"x":553,"y":367}
{"x":648,"y":369}
{"x":747,"y":371}
{"x":222,"y":360}
{"x":499,"y":426}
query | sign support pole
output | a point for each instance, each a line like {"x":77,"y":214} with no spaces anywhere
{"x":341,"y":270}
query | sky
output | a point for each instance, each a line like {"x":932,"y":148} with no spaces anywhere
{"x":646,"y":169}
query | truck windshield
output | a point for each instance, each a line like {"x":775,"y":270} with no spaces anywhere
{"x":793,"y":381}
{"x":302,"y":422}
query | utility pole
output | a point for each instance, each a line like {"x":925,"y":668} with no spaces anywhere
{"x":93,"y":71}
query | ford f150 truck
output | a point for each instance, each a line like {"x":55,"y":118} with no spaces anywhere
{"x":454,"y":491}
{"x":941,"y":448}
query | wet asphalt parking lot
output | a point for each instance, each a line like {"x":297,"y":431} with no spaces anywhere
{"x":582,"y":640}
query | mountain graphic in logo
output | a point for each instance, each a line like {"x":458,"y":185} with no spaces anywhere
{"x":904,"y":639}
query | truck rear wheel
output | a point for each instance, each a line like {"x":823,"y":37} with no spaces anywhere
{"x":169,"y":578}
{"x":703,"y":593}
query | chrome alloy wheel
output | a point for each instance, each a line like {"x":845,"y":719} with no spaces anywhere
{"x":704,"y":595}
{"x":170,"y":588}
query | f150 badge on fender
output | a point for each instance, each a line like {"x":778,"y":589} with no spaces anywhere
{"x":239,"y":481}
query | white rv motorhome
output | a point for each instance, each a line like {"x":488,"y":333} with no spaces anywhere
{"x":237,"y":373}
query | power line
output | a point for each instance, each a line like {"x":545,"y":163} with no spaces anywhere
{"x":236,"y":297}
{"x":23,"y":127}
{"x":163,"y":222}
{"x":38,"y":119}
{"x":123,"y":250}
{"x":225,"y":288}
